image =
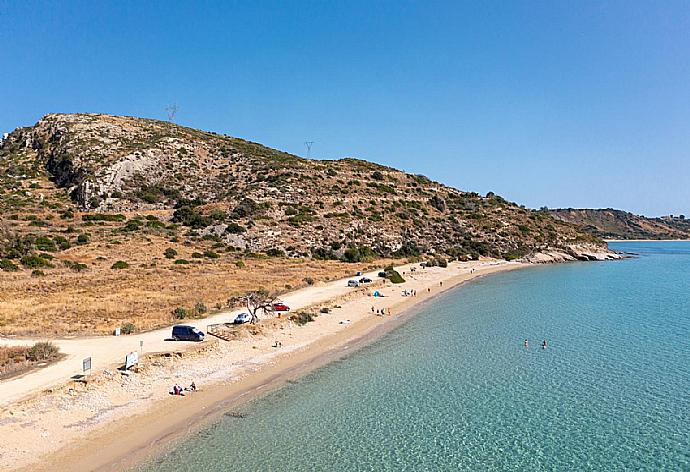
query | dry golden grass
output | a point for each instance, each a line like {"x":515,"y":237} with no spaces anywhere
{"x":99,"y":299}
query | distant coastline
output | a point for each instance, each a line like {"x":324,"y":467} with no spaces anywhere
{"x":644,"y":240}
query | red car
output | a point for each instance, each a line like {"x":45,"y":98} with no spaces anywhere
{"x":280,"y":306}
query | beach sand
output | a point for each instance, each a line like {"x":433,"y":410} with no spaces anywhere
{"x":115,"y":421}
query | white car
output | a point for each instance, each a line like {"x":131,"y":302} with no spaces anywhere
{"x":242,"y":318}
{"x":352,"y":283}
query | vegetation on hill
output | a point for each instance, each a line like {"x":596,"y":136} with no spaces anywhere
{"x":72,"y":174}
{"x":108,"y":220}
{"x":618,"y":224}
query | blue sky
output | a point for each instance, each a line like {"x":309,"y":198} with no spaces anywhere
{"x":582,"y":104}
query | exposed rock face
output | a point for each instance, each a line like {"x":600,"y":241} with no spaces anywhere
{"x":585,"y":252}
{"x":255,"y":198}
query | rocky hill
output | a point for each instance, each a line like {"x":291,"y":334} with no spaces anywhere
{"x":74,"y":178}
{"x":618,"y":224}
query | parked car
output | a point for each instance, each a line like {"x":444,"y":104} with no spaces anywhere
{"x":359,"y":274}
{"x":352,"y":283}
{"x":365,"y":280}
{"x":280,"y":306}
{"x":186,"y":333}
{"x":242,"y":318}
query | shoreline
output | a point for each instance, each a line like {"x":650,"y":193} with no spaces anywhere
{"x":646,"y":240}
{"x":126,"y":441}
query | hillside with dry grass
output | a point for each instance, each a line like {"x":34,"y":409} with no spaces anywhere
{"x":108,"y":220}
{"x":617,"y":224}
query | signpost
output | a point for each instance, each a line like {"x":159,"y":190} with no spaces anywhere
{"x":86,"y":364}
{"x":131,"y":359}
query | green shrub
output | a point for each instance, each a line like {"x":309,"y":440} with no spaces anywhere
{"x":200,"y":308}
{"x":103,"y":217}
{"x":179,"y":313}
{"x":44,"y":243}
{"x":309,"y":280}
{"x":376,"y":175}
{"x":275,"y":252}
{"x":197,"y":255}
{"x":393,"y":275}
{"x":132,"y":225}
{"x":234,"y":228}
{"x":211,"y":255}
{"x":358,"y":254}
{"x":37,"y":273}
{"x":75,"y":266}
{"x":42,"y":351}
{"x":170,"y":253}
{"x":128,"y":328}
{"x":182,"y":261}
{"x":120,"y":265}
{"x":8,"y":266}
{"x":83,"y":238}
{"x":189,"y":216}
{"x":61,"y":242}
{"x":67,"y":215}
{"x":34,"y":261}
{"x":240,"y":265}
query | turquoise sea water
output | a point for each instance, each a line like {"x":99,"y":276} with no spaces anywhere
{"x":454,"y":388}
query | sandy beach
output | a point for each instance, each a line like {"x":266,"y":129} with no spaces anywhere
{"x":116,"y":420}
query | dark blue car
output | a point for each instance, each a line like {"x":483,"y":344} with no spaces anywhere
{"x":187,"y":333}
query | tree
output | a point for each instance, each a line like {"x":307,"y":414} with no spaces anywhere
{"x":255,"y":301}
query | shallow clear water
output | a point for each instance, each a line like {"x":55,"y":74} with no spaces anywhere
{"x":454,"y":388}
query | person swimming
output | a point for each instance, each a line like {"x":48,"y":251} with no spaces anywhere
{"x":526,"y":343}
{"x":544,"y":344}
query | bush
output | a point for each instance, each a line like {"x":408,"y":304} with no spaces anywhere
{"x":34,"y":262}
{"x":132,"y":225}
{"x":182,"y":261}
{"x":128,"y":328}
{"x":234,"y":228}
{"x":83,"y":238}
{"x":200,"y":308}
{"x":103,"y":217}
{"x":42,"y":351}
{"x":302,"y":318}
{"x":240,"y":265}
{"x":37,"y":273}
{"x":75,"y":266}
{"x":179,"y":313}
{"x":170,"y":253}
{"x":393,"y":275}
{"x":8,"y":266}
{"x":197,"y":255}
{"x":309,"y":281}
{"x":189,"y":216}
{"x":358,"y":254}
{"x":44,"y":243}
{"x":275,"y":252}
{"x":120,"y":265}
{"x":61,"y":242}
{"x":211,"y":255}
{"x":376,"y":175}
